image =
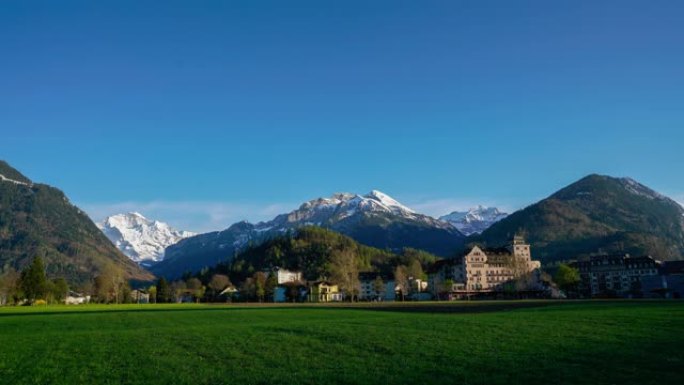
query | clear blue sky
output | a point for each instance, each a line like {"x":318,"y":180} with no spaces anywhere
{"x":203,"y":113}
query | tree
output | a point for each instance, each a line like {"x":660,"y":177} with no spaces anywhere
{"x":195,"y":288}
{"x":415,"y":273}
{"x":415,"y":270}
{"x":344,"y":272}
{"x":178,"y":289}
{"x":401,"y":280}
{"x":260,"y":285}
{"x":522,"y":276}
{"x":153,"y":293}
{"x":10,"y":290}
{"x":33,"y":280}
{"x":60,"y":290}
{"x":292,"y":291}
{"x":270,"y":286}
{"x":378,"y":286}
{"x":247,"y":289}
{"x":566,"y":277}
{"x":163,"y":291}
{"x":217,"y":283}
{"x":448,"y":287}
{"x":109,"y":284}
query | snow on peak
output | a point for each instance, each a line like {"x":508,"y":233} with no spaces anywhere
{"x":475,"y":220}
{"x":141,"y":239}
{"x":388,"y":201}
{"x":637,"y":188}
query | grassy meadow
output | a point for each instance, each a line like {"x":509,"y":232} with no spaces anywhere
{"x":597,"y":342}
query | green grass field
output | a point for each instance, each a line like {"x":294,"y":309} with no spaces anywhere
{"x":639,"y":342}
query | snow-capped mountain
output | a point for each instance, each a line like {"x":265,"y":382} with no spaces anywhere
{"x":141,"y":239}
{"x":475,"y":220}
{"x":345,"y":207}
{"x":374,"y":219}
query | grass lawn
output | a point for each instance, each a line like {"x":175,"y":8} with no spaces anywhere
{"x":621,"y":342}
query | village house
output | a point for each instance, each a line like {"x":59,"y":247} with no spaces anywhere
{"x":140,"y":296}
{"x":74,"y":298}
{"x":615,"y":275}
{"x":485,"y":270}
{"x":369,"y":291}
{"x":228,"y":293}
{"x":323,"y":291}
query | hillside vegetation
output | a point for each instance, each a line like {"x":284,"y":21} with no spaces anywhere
{"x":39,"y":220}
{"x":598,"y":214}
{"x":311,"y":250}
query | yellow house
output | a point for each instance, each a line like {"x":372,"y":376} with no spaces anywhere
{"x":322,"y":291}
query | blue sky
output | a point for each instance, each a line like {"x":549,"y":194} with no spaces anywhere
{"x":204,"y":113}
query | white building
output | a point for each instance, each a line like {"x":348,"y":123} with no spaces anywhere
{"x":287,"y":276}
{"x":484,"y":270}
{"x":74,"y":298}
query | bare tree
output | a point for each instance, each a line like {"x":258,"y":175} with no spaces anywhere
{"x":378,"y":286}
{"x":521,"y":276}
{"x":401,"y":280}
{"x":344,"y":271}
{"x":217,"y":283}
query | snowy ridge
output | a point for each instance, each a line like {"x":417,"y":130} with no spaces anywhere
{"x":345,"y":206}
{"x":141,"y":239}
{"x":638,"y":189}
{"x":6,"y":179}
{"x":475,"y":220}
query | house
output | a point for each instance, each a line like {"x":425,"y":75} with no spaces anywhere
{"x":322,"y":291}
{"x":615,"y":275}
{"x":74,"y":298}
{"x":228,"y":293}
{"x":368,"y":291}
{"x":140,"y":296}
{"x":483,"y":271}
{"x":669,"y":283}
{"x":286,"y":276}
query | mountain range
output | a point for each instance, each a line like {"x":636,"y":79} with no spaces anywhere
{"x":374,"y":219}
{"x":475,"y":220}
{"x":597,"y":214}
{"x":141,"y":239}
{"x":38,"y":220}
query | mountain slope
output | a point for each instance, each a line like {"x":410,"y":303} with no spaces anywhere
{"x":374,"y":219}
{"x":309,"y":250}
{"x":475,"y":220}
{"x":36,"y":219}
{"x":597,"y":214}
{"x":141,"y":239}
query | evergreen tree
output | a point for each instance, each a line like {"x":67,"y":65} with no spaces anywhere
{"x":163,"y":291}
{"x":33,"y":280}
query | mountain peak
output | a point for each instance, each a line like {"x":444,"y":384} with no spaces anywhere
{"x":141,"y":239}
{"x":387,"y":201}
{"x":595,"y":184}
{"x":475,"y":220}
{"x":598,"y":214}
